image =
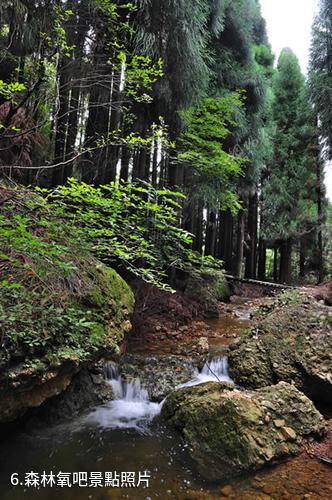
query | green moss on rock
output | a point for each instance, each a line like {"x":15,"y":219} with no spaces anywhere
{"x":209,"y":288}
{"x":230,"y":431}
{"x":290,"y":342}
{"x":59,"y":306}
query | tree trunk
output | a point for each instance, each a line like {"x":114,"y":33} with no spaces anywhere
{"x":251,"y":251}
{"x":320,"y":222}
{"x":262,"y":259}
{"x":96,"y":163}
{"x":155,"y":164}
{"x":172,"y":174}
{"x":163,"y":169}
{"x":114,"y":125}
{"x":302,"y":259}
{"x":125,"y":160}
{"x":76,"y":73}
{"x":226,"y":238}
{"x":238,"y":261}
{"x":61,"y":122}
{"x":275,"y":264}
{"x":285,"y":261}
{"x":198,"y":241}
{"x":210,"y":241}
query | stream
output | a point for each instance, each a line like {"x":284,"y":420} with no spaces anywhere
{"x":120,"y":436}
{"x":125,"y":435}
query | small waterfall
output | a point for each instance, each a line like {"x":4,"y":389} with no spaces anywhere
{"x":218,"y":368}
{"x":124,"y":390}
{"x":215,"y":370}
{"x":131,"y":407}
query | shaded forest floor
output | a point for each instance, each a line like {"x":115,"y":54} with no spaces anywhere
{"x":173,"y":323}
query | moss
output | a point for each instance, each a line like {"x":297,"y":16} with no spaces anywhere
{"x":57,"y":302}
{"x":227,"y":431}
{"x":208,"y":287}
{"x":222,"y":288}
{"x":110,"y":290}
{"x":292,"y":343}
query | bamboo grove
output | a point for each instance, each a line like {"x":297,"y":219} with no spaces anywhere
{"x":180,"y":95}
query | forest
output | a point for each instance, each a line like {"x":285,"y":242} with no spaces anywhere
{"x":184,"y":97}
{"x":165,"y":252}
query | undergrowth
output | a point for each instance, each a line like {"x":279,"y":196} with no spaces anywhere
{"x":51,"y":303}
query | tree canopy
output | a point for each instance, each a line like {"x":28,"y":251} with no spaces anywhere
{"x":181,"y":96}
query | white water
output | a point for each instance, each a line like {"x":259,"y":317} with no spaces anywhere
{"x":132,"y":409}
{"x":215,"y":370}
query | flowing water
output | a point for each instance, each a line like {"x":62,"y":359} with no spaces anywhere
{"x":215,"y":370}
{"x":122,"y":435}
{"x":131,"y":407}
{"x":125,"y":435}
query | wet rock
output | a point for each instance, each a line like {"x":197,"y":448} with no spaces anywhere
{"x":279,"y":423}
{"x":87,"y":389}
{"x":158,"y":374}
{"x":288,"y":433}
{"x":323,"y":292}
{"x":291,"y":342}
{"x":225,"y":427}
{"x":227,"y":490}
{"x":26,"y":384}
{"x":197,"y":350}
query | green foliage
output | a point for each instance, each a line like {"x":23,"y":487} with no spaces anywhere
{"x":132,"y":225}
{"x":141,"y":74}
{"x":320,"y":71}
{"x":31,"y":323}
{"x":178,"y":34}
{"x":289,"y":191}
{"x":202,"y":149}
{"x":264,"y":60}
{"x":56,"y":300}
{"x":11,"y":90}
{"x":57,"y":37}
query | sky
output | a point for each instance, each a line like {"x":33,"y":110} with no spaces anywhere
{"x":289,"y":25}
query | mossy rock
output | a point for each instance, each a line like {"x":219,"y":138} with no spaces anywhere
{"x":60,"y":307}
{"x":291,"y":342}
{"x":208,"y":288}
{"x":159,"y":374}
{"x":98,"y":319}
{"x":230,"y":432}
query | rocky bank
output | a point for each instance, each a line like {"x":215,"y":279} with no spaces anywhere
{"x":230,"y":431}
{"x":291,"y":341}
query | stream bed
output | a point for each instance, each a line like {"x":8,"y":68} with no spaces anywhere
{"x":125,"y":439}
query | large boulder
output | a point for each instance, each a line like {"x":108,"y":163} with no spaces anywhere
{"x":30,"y":377}
{"x":61,"y":309}
{"x":87,"y":389}
{"x":291,"y":342}
{"x":231,"y":431}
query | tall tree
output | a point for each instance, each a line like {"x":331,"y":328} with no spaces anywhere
{"x":320,"y":84}
{"x":288,"y":191}
{"x":320,"y":71}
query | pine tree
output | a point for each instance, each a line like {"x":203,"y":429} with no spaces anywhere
{"x":289,"y":189}
{"x":320,"y":71}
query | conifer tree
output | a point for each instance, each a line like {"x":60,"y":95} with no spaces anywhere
{"x":289,"y":190}
{"x":320,"y":71}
